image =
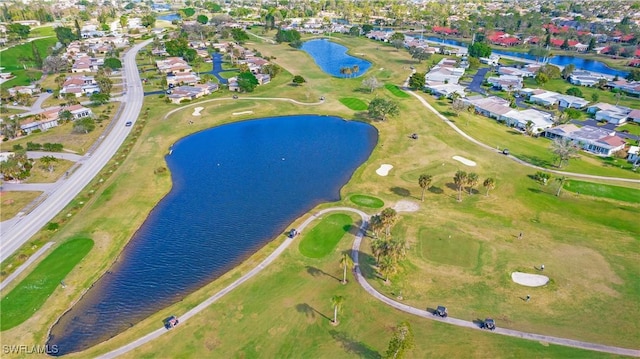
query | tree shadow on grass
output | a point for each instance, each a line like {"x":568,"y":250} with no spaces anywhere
{"x":435,"y":190}
{"x":403,"y":192}
{"x":316,"y":272}
{"x":352,"y":346}
{"x":367,"y":263}
{"x":449,"y":114}
{"x":309,"y":311}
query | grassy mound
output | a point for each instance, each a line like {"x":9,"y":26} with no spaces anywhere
{"x":354,"y":103}
{"x":624,"y":194}
{"x":324,"y":237}
{"x":366,"y":201}
{"x":35,"y":289}
{"x":396,"y":91}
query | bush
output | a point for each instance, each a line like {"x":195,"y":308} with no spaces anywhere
{"x":31,"y":146}
{"x":52,"y":226}
{"x":574,"y":91}
{"x":17,"y":148}
{"x":52,"y":147}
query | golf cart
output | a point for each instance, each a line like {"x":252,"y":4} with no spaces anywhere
{"x":171,"y":322}
{"x":292,"y":233}
{"x":489,"y":324}
{"x":441,"y":311}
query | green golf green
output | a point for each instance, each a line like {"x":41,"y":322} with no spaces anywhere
{"x":618,"y":193}
{"x":35,"y":289}
{"x":396,"y":91}
{"x":366,"y":201}
{"x":354,"y":103}
{"x":323,"y":238}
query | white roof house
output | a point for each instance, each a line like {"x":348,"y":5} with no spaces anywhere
{"x":446,"y":72}
{"x":597,"y":140}
{"x":445,"y":90}
{"x":539,"y":120}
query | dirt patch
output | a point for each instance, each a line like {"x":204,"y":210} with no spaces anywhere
{"x":406,"y":206}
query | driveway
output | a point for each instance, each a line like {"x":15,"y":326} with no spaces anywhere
{"x":478,"y":79}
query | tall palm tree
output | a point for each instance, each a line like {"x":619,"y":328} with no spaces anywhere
{"x":396,"y":248}
{"x":355,"y":69}
{"x":424,"y":181}
{"x":378,"y":247}
{"x":336,"y":302}
{"x":460,"y":179}
{"x":562,"y":180}
{"x":489,"y":184}
{"x":389,"y":217}
{"x":376,"y":225}
{"x":472,"y":181}
{"x":387,"y":267}
{"x":345,"y":262}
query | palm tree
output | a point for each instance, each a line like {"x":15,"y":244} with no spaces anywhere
{"x":472,"y":181}
{"x":345,"y":262}
{"x":424,"y":181}
{"x":355,"y":69}
{"x":378,"y":247}
{"x":386,"y":267}
{"x":376,"y":225}
{"x":562,"y":180}
{"x":389,"y":217}
{"x":336,"y":302}
{"x":396,"y":248}
{"x":460,"y":179}
{"x":489,"y":184}
{"x":47,"y":162}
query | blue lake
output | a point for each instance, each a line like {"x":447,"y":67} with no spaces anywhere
{"x":561,"y":60}
{"x":169,"y":17}
{"x":235,"y":188}
{"x":331,"y":57}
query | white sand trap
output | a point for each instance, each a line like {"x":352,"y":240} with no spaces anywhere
{"x":242,"y":113}
{"x":406,"y":206}
{"x":529,"y":280}
{"x":464,"y":161}
{"x":384,"y":169}
{"x":196,"y":111}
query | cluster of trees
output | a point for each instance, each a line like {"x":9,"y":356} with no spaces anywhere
{"x":479,"y":49}
{"x":179,"y":47}
{"x":544,"y":178}
{"x":380,"y":108}
{"x":387,"y":250}
{"x":470,"y":180}
{"x":247,"y":81}
{"x":417,"y":80}
{"x":18,"y":31}
{"x":348,"y":71}
{"x":16,"y":167}
{"x":290,"y":36}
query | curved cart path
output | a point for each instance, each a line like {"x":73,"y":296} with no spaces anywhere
{"x":372,"y":291}
{"x":465,"y":135}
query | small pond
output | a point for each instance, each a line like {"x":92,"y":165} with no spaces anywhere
{"x":332,"y":57}
{"x":169,"y":17}
{"x":235,"y":188}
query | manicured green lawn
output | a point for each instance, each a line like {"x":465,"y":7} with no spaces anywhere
{"x":354,"y":103}
{"x":323,"y":238}
{"x":439,"y":246}
{"x":605,"y":191}
{"x":25,"y":299}
{"x":228,"y":74}
{"x":42,"y":31}
{"x":17,"y":58}
{"x":367,"y":201}
{"x":396,"y":90}
{"x":633,"y":127}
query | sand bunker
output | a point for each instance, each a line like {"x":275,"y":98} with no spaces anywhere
{"x":242,"y":113}
{"x":529,"y":280}
{"x":406,"y":206}
{"x":384,"y":169}
{"x":464,"y":161}
{"x":196,"y":111}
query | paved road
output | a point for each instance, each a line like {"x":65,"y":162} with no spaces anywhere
{"x":355,"y":250}
{"x":478,"y":80}
{"x":25,"y":265}
{"x":28,"y":225}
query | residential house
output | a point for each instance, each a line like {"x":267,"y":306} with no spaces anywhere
{"x":506,"y":82}
{"x":173,"y":65}
{"x":78,"y":111}
{"x":610,"y":113}
{"x":86,"y":64}
{"x":514,"y":71}
{"x":182,"y":93}
{"x":597,"y":140}
{"x":80,"y":85}
{"x":182,"y":79}
{"x":28,"y":90}
{"x":550,"y":98}
{"x":630,"y":87}
{"x":634,"y":116}
{"x":585,"y":78}
{"x":568,"y":101}
{"x":440,"y":89}
{"x":634,"y":155}
{"x":492,"y":60}
{"x":263,"y":79}
{"x":538,"y":121}
{"x":492,"y":107}
{"x":445,"y":72}
{"x":46,"y":120}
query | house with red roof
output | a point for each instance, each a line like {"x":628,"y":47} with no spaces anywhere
{"x":443,"y":30}
{"x":560,"y":42}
